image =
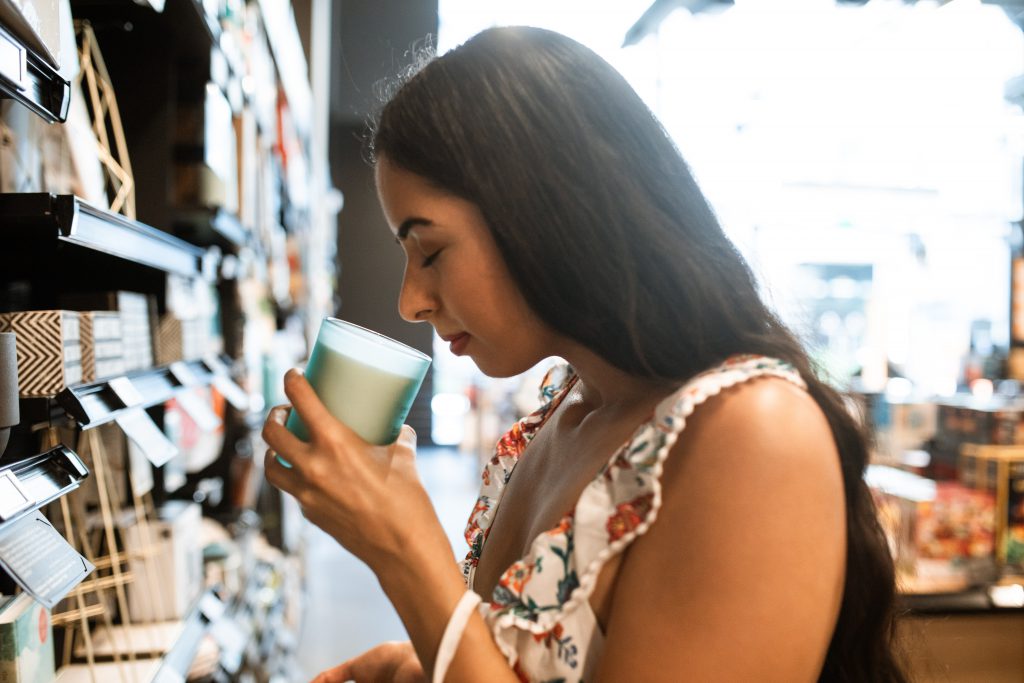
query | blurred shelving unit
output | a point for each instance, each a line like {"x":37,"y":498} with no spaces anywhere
{"x":223,"y":117}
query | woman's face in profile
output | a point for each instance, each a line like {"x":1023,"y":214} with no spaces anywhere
{"x":456,"y":279}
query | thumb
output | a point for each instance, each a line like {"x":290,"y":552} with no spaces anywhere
{"x":407,"y":438}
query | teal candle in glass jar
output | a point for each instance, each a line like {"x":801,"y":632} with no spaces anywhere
{"x":366,"y":380}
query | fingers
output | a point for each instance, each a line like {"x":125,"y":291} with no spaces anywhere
{"x":339,"y":674}
{"x":280,"y":476}
{"x":277,"y":435}
{"x":305,"y":401}
{"x":381,"y":663}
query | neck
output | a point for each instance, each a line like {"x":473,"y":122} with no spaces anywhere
{"x":602,"y":386}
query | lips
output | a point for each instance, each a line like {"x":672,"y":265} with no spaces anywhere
{"x":457,"y":342}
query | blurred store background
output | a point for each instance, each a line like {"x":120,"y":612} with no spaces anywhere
{"x":185,"y":194}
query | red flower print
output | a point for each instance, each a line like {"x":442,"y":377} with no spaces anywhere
{"x":512,"y":443}
{"x":628,"y":516}
{"x":564,"y":525}
{"x":545,"y":637}
{"x":516,"y":576}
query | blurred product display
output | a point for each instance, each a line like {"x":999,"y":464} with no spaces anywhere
{"x":156,"y":249}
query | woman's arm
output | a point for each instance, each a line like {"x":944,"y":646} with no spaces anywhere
{"x":741,"y":577}
{"x":370,"y":499}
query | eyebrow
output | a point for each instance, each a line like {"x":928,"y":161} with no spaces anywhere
{"x":410,"y":223}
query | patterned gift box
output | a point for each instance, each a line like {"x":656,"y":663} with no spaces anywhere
{"x":48,"y":349}
{"x":178,"y":339}
{"x":102,"y":346}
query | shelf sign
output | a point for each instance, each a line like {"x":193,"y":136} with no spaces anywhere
{"x":13,"y":498}
{"x":234,"y":394}
{"x":199,"y":410}
{"x":39,"y":560}
{"x":222,"y":381}
{"x":140,"y":428}
{"x":183,"y":373}
{"x":126,"y":391}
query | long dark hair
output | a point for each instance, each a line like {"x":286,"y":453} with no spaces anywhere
{"x":612,"y":244}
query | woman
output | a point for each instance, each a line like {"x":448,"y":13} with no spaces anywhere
{"x":688,"y":504}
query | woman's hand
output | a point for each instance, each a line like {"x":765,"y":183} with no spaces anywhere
{"x":369,"y":498}
{"x":387,"y":663}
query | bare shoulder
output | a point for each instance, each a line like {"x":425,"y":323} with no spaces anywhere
{"x":763,"y":424}
{"x":747,"y":551}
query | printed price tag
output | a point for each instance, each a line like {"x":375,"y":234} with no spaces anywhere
{"x":183,"y":373}
{"x":199,"y":409}
{"x":234,"y":394}
{"x":13,"y":498}
{"x":144,"y":433}
{"x":39,"y":560}
{"x":141,"y":470}
{"x":126,"y":391}
{"x":216,"y":365}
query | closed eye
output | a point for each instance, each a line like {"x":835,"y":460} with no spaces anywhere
{"x":430,"y":259}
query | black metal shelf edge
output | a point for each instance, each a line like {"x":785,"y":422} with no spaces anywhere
{"x":97,"y":403}
{"x":44,"y":478}
{"x":26,"y":78}
{"x":75,"y":221}
{"x":212,"y":227}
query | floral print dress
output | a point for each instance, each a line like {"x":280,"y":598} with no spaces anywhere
{"x":539,"y":612}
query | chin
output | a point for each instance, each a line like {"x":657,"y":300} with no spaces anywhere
{"x":501,"y":369}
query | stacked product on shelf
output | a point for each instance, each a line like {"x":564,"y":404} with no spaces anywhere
{"x":102,"y":345}
{"x":135,"y":312}
{"x":958,"y":523}
{"x":26,"y":641}
{"x":49,"y":350}
{"x":128,"y":344}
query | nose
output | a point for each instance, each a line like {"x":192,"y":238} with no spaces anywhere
{"x":416,"y":302}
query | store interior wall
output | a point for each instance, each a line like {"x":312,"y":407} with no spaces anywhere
{"x":372,"y":39}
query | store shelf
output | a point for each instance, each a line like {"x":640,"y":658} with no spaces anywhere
{"x":97,"y":403}
{"x":178,"y":659}
{"x":972,"y":601}
{"x":31,"y":483}
{"x":66,"y":218}
{"x":26,"y":78}
{"x":286,"y":47}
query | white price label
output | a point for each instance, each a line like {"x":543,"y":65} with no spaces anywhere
{"x":144,"y":433}
{"x":183,"y":373}
{"x":13,"y":498}
{"x":199,"y":409}
{"x":126,"y":391}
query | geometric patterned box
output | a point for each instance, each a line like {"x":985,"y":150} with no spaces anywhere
{"x":178,"y":339}
{"x":102,"y":345}
{"x":48,"y":350}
